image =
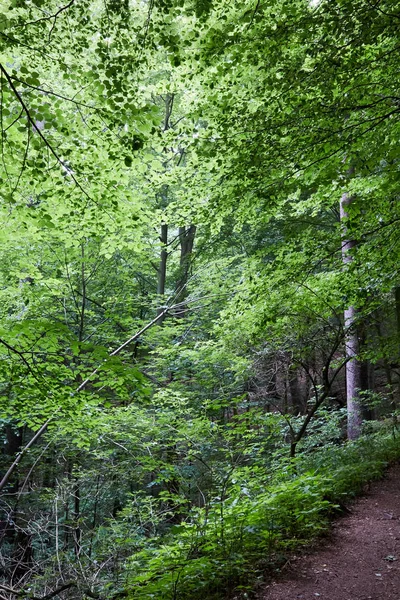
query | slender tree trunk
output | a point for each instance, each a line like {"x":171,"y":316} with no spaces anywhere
{"x":67,"y":526}
{"x":353,"y":366}
{"x":76,"y":514}
{"x":397,"y":304}
{"x":162,"y":269}
{"x":186,"y":239}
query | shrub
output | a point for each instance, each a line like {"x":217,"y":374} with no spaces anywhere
{"x":226,"y":546}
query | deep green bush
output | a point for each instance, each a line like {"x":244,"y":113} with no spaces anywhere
{"x":228,"y":545}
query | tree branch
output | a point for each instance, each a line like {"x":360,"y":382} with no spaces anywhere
{"x":50,"y":17}
{"x":32,"y":121}
{"x":43,"y":428}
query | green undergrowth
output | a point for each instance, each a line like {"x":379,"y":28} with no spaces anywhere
{"x":229,"y":545}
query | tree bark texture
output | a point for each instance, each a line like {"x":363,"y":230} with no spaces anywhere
{"x":353,"y":366}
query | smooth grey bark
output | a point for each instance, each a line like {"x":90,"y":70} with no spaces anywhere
{"x":352,"y":344}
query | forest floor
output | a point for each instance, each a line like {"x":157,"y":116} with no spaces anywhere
{"x":358,"y":560}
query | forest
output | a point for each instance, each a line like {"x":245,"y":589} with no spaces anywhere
{"x":200,"y":287}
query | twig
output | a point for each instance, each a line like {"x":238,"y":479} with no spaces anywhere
{"x":43,"y":428}
{"x":20,"y":354}
{"x":50,"y":17}
{"x":36,"y":128}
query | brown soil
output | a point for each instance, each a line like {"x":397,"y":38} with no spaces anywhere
{"x":360,"y":560}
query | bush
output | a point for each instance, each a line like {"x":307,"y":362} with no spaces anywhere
{"x":229,"y":544}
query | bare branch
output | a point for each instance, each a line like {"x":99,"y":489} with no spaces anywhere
{"x":56,"y":95}
{"x":33,"y":123}
{"x":21,"y":356}
{"x":49,"y":18}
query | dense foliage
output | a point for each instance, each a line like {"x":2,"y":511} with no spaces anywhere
{"x":200,"y":287}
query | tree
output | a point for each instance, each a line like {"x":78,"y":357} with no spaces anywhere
{"x":312,"y":87}
{"x":183,"y":164}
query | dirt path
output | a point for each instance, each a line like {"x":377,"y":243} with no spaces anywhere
{"x":361,"y":558}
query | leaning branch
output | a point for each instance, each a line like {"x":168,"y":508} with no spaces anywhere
{"x":43,"y":428}
{"x":21,"y":454}
{"x":125,"y":344}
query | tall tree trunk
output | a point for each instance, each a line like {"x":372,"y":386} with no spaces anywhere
{"x":397,"y":304}
{"x":186,"y":239}
{"x":162,"y":269}
{"x":76,"y":515}
{"x":353,"y":366}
